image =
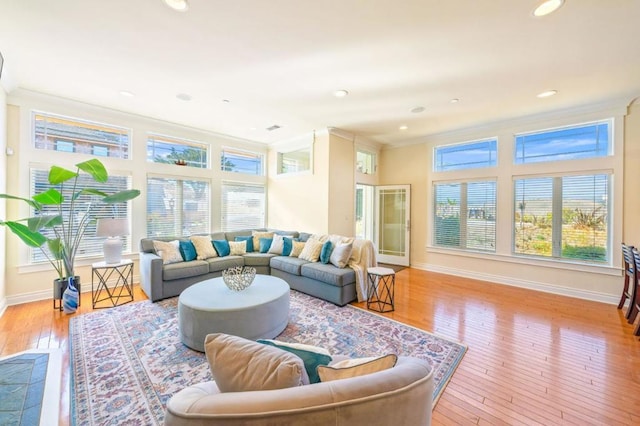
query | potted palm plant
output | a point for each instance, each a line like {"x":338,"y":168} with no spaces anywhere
{"x":59,"y":225}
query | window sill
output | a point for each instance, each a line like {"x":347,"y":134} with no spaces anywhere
{"x":524,"y":260}
{"x":85,"y":261}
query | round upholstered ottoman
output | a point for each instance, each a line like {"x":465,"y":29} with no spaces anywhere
{"x":258,"y":312}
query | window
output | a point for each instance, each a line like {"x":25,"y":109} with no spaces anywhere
{"x":163,"y":149}
{"x":235,"y":160}
{"x":90,"y":245}
{"x":66,"y":134}
{"x":294,"y":161}
{"x":365,"y":162}
{"x":243,"y":206}
{"x":465,"y":215}
{"x":563,"y":217}
{"x":177,"y":207}
{"x":466,"y":155}
{"x":586,"y":141}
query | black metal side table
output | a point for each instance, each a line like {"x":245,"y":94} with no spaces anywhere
{"x":113,"y":292}
{"x":380,"y":291}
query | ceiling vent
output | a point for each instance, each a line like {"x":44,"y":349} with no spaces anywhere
{"x":272,"y":128}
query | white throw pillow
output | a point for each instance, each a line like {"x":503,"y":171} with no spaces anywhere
{"x":340,"y":254}
{"x":356,"y":367}
{"x":204,"y":247}
{"x":168,"y":251}
{"x":277,"y":244}
{"x":311,"y":251}
{"x":238,"y":248}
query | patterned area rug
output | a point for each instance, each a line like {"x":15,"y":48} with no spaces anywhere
{"x":128,"y":361}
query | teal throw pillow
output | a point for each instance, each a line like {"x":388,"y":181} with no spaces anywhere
{"x":265,"y":244}
{"x":249,"y":240}
{"x":312,"y":356}
{"x":325,"y":254}
{"x":222,"y":247}
{"x":287,"y":246}
{"x":187,"y":250}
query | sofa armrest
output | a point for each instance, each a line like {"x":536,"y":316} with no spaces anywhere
{"x":151,"y":275}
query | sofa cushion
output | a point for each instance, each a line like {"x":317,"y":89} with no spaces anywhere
{"x":240,"y":365}
{"x":249,"y":240}
{"x":218,"y":264}
{"x":328,"y":274}
{"x":312,"y":356}
{"x":256,"y":238}
{"x":237,"y":248}
{"x":188,"y":250}
{"x":168,"y":251}
{"x":311,"y":251}
{"x":325,"y":253}
{"x":341,"y":254}
{"x":204,"y":247}
{"x":287,"y":245}
{"x":296,"y":248}
{"x":257,"y":259}
{"x":264,"y":245}
{"x":288,"y":264}
{"x":175,"y":271}
{"x":356,"y":367}
{"x":222,"y":247}
{"x":277,"y":244}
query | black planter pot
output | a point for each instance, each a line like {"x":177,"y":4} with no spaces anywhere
{"x":59,"y":286}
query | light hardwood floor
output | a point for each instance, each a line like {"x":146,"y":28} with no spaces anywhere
{"x":533,"y":358}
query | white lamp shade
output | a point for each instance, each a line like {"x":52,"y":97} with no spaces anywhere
{"x":109,"y":227}
{"x":113,"y":229}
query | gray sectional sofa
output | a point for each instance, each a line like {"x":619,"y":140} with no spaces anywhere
{"x":325,"y":281}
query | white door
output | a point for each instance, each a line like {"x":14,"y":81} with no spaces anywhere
{"x":393,"y":230}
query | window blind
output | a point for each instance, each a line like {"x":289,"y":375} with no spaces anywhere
{"x":91,"y":245}
{"x":243,"y":206}
{"x":177,"y":207}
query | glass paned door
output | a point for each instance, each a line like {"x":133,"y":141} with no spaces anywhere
{"x":393,"y":219}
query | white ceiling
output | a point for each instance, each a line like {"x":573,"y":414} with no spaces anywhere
{"x":279,"y":61}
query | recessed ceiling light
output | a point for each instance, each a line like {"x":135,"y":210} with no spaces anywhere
{"x":179,"y":5}
{"x":454,"y":100}
{"x":547,"y":93}
{"x":546,"y":7}
{"x":417,"y":110}
{"x":126,"y":93}
{"x":340,"y":93}
{"x":183,"y":97}
{"x":226,"y":101}
{"x":403,"y":127}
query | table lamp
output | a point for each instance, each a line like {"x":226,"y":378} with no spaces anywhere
{"x":113,"y":229}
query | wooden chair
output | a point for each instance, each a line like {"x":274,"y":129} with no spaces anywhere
{"x":635,"y":303}
{"x":628,"y":290}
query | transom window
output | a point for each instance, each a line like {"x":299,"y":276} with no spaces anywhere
{"x":165,"y":149}
{"x":239,"y":161}
{"x":366,"y":162}
{"x":569,"y":143}
{"x":294,"y":161}
{"x":469,"y":155}
{"x":65,"y":134}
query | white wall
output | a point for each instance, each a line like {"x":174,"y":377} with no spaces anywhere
{"x":30,"y":282}
{"x":3,"y":189}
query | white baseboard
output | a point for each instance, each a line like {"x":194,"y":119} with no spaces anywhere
{"x":47,"y":294}
{"x":514,"y":282}
{"x":3,"y":306}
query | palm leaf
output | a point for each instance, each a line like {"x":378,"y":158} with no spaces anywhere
{"x":57,"y":175}
{"x":95,"y":168}
{"x":121,"y":196}
{"x":30,"y":238}
{"x":50,"y":197}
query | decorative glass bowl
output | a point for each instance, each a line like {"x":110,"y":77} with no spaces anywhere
{"x":238,"y":278}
